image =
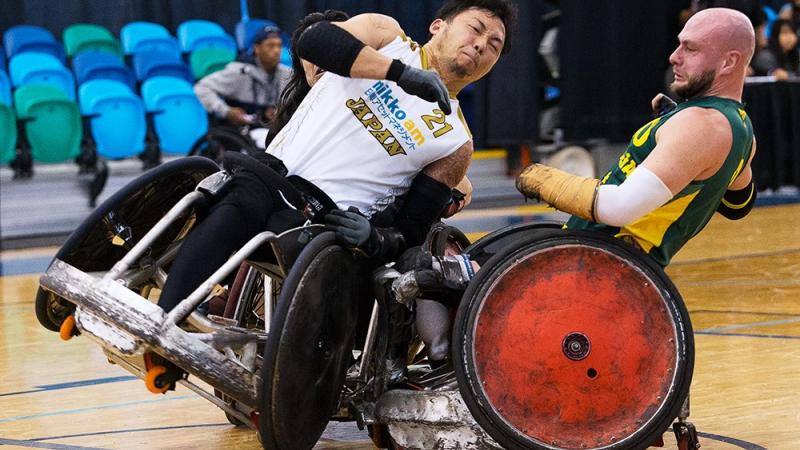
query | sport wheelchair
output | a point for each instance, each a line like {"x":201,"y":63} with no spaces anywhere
{"x":563,"y":340}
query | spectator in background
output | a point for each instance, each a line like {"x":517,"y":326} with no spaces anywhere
{"x":759,"y":64}
{"x":781,"y":59}
{"x":246,"y":92}
{"x":791,"y":12}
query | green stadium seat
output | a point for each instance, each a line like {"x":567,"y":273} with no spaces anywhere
{"x":52,"y":122}
{"x":81,"y":37}
{"x":205,"y":61}
{"x":8,"y":134}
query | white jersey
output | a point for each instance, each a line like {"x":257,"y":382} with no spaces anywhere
{"x":363,"y":141}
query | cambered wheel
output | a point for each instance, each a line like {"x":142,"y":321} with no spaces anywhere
{"x":115,"y":226}
{"x":309,"y":345}
{"x":570,"y":340}
{"x":218,"y":140}
{"x":496,"y":241}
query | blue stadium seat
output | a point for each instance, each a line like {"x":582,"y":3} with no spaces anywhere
{"x":110,"y":103}
{"x":41,"y":68}
{"x":149,"y":64}
{"x":29,"y":38}
{"x":3,"y":59}
{"x":286,"y":56}
{"x":179,"y":118}
{"x":8,"y":122}
{"x":5,"y":89}
{"x":94,"y":65}
{"x":194,"y":34}
{"x":246,"y":30}
{"x":140,"y":36}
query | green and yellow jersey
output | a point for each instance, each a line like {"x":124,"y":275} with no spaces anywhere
{"x":662,"y":232}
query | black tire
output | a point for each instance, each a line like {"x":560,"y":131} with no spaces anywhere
{"x":442,"y":237}
{"x":494,"y":242}
{"x":309,"y":345}
{"x":139,"y":204}
{"x":220,"y":139}
{"x":472,"y":376}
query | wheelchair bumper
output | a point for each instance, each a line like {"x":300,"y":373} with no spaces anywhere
{"x":127,"y":325}
{"x":431,"y":419}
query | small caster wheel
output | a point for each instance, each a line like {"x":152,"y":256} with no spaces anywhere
{"x":152,"y":381}
{"x":68,"y":328}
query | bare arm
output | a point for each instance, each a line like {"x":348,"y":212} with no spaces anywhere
{"x":451,"y":169}
{"x":376,"y":31}
{"x":692,"y":145}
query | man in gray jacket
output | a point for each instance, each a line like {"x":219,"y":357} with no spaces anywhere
{"x":247,"y":89}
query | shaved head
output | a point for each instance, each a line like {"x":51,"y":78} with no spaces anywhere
{"x":727,"y":29}
{"x":714,"y":51}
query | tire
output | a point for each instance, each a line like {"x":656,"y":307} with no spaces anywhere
{"x":137,"y":207}
{"x":220,"y":139}
{"x":573,"y":340}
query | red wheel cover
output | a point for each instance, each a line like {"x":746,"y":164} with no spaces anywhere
{"x":546,"y":301}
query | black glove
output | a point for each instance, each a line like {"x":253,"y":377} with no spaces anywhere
{"x":415,"y":258}
{"x":352,"y":229}
{"x":425,"y":84}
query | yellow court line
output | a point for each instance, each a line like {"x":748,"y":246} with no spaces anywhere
{"x":476,"y":235}
{"x":489,"y":153}
{"x":526,"y":210}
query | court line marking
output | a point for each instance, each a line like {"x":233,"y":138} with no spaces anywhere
{"x":768,"y":336}
{"x":23,"y":443}
{"x":131,"y":430}
{"x":753,"y":313}
{"x":71,"y":384}
{"x":94,"y":408}
{"x":739,"y":326}
{"x":729,"y":440}
{"x":688,"y":262}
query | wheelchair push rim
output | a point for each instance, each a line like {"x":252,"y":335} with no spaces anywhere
{"x":573,"y":340}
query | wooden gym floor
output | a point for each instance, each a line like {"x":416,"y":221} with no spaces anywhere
{"x":740,"y":280}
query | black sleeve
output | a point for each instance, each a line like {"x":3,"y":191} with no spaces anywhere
{"x":737,"y":204}
{"x":330,"y":47}
{"x":422,"y":207}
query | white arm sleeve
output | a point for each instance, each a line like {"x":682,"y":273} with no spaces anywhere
{"x":641,"y":193}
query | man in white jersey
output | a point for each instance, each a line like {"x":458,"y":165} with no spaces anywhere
{"x":382,"y":122}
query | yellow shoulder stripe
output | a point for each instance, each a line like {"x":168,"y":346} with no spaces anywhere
{"x":464,"y":121}
{"x":649,"y":230}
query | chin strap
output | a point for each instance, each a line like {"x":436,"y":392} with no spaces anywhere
{"x":572,"y":194}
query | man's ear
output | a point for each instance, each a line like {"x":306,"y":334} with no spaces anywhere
{"x":436,"y":26}
{"x":731,"y":60}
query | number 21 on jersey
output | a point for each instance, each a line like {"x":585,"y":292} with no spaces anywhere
{"x":437,"y":121}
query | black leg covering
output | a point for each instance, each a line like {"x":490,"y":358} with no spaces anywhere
{"x":241,"y":214}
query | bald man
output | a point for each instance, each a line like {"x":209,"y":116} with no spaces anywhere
{"x":681,"y":167}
